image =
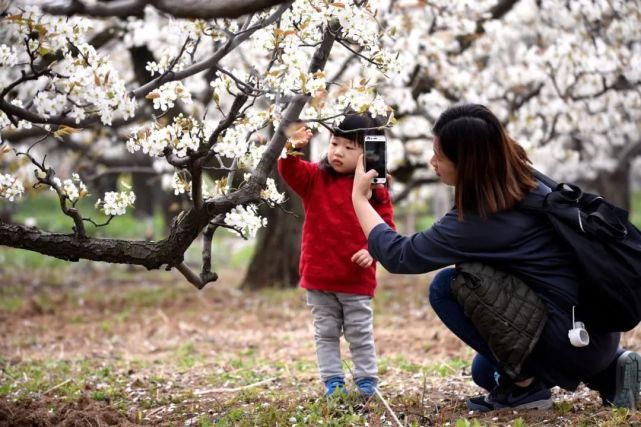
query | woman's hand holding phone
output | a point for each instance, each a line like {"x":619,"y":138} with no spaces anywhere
{"x":362,"y":188}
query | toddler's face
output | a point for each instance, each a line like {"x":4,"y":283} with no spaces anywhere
{"x":343,"y":154}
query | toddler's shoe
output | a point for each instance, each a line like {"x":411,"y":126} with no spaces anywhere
{"x":367,"y":386}
{"x":335,"y":385}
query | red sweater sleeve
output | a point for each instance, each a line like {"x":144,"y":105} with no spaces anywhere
{"x":384,"y":207}
{"x":297,"y":173}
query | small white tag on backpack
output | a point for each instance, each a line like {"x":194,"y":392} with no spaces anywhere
{"x":578,"y":335}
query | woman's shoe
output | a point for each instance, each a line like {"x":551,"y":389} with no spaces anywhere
{"x":628,"y":381}
{"x":534,"y":396}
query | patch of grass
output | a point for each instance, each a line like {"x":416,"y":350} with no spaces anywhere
{"x":562,"y":407}
{"x":187,"y":356}
{"x":25,"y":260}
{"x":242,"y":256}
{"x":464,"y":422}
{"x":445,"y":369}
{"x":134,"y":298}
{"x":33,"y":378}
{"x":11,"y":303}
{"x":257,"y":409}
{"x":620,"y":416}
{"x":452,"y":367}
{"x":45,"y":210}
{"x":243,"y":370}
{"x":68,"y":381}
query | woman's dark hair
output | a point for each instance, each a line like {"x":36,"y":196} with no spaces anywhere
{"x":493,"y":172}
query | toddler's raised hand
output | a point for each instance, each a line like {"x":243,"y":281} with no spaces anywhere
{"x":362,"y":258}
{"x":299,"y":135}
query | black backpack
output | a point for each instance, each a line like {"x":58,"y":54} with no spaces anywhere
{"x":607,"y":247}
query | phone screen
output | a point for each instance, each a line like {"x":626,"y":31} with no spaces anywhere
{"x":375,"y":156}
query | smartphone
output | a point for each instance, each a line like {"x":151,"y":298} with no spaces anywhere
{"x":376,"y":157}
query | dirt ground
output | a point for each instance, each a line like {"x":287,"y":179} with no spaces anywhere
{"x":108,"y":346}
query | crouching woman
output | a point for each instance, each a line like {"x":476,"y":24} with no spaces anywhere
{"x":491,"y":174}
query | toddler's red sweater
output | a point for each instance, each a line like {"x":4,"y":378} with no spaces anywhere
{"x":331,"y":232}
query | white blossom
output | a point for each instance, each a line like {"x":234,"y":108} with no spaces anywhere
{"x":8,"y":57}
{"x":10,"y":187}
{"x":271,"y":193}
{"x":183,"y":135}
{"x":116,"y":203}
{"x":165,"y":96}
{"x":181,"y":184}
{"x":73,"y":188}
{"x":245,"y":219}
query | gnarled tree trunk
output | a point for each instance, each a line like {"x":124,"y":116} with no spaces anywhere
{"x":614,"y":186}
{"x":277,"y":255}
{"x":275,"y":261}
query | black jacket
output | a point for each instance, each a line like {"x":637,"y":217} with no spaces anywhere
{"x":523,"y":244}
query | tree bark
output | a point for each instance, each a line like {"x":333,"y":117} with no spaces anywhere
{"x":146,"y":194}
{"x":277,"y":255}
{"x":615,"y":186}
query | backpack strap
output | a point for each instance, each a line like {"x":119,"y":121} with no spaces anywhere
{"x":545,"y":179}
{"x":535,"y":201}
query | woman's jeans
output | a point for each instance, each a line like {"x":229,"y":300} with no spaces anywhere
{"x":485,"y":369}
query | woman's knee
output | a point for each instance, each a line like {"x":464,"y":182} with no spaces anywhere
{"x":440,"y":289}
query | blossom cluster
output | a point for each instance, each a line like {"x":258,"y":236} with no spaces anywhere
{"x":356,"y":97}
{"x":10,"y":187}
{"x":235,"y":141}
{"x":80,"y":84}
{"x":183,"y":135}
{"x":73,"y":188}
{"x":181,"y":183}
{"x":302,"y":27}
{"x":544,"y":68}
{"x":165,"y":96}
{"x":271,"y":193}
{"x":218,"y":188}
{"x":245,"y":219}
{"x":8,"y":57}
{"x":116,"y":203}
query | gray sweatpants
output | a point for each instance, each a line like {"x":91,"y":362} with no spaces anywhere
{"x":337,"y":313}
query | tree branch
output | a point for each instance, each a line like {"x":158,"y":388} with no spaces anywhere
{"x":186,"y":226}
{"x":496,"y":12}
{"x":119,"y":8}
{"x":152,"y":255}
{"x":190,"y":9}
{"x":24,"y":114}
{"x":294,"y":109}
{"x":213,"y":60}
{"x":208,"y":235}
{"x":198,"y":281}
{"x":411,"y":186}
